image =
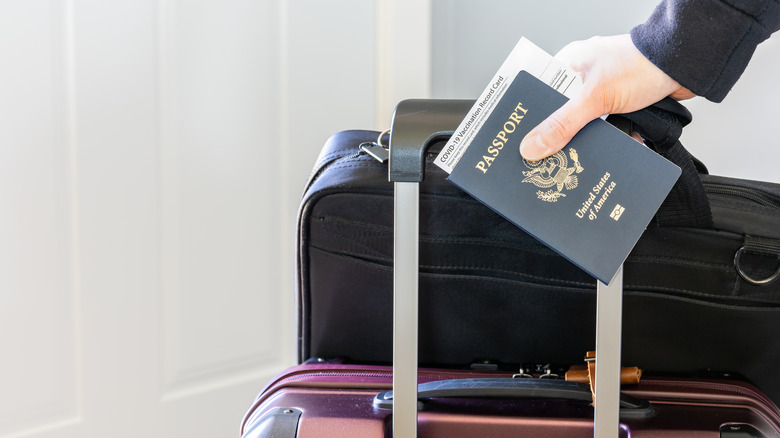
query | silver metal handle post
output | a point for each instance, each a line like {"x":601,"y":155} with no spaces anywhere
{"x":416,"y":123}
{"x":609,"y":318}
{"x":405,"y":312}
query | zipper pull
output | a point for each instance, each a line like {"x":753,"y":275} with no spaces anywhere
{"x":375,"y":150}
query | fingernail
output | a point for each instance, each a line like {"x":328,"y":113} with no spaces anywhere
{"x":533,"y":148}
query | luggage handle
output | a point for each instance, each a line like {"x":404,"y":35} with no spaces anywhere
{"x":630,"y":407}
{"x":661,"y":125}
{"x":416,"y":124}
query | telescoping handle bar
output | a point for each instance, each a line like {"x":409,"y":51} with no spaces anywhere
{"x":417,"y":123}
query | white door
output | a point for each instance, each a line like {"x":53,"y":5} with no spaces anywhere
{"x":152,"y":154}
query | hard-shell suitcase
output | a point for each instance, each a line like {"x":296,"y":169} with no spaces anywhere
{"x":321,"y":400}
{"x":697,"y":297}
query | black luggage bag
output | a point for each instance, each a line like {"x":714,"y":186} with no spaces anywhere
{"x":700,"y":294}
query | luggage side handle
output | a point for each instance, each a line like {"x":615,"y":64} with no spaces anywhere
{"x":661,"y":125}
{"x":630,"y":407}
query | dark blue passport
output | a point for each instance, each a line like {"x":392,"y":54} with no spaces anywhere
{"x":590,"y":202}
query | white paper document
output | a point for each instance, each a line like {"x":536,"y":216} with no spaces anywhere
{"x":525,"y":56}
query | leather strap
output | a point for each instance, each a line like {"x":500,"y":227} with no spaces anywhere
{"x":590,"y":361}
{"x":587,"y":373}
{"x":579,"y":374}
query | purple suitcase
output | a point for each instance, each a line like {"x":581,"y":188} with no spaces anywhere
{"x":335,"y":400}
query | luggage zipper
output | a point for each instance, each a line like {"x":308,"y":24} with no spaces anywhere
{"x":321,"y":168}
{"x":371,"y":375}
{"x":304,"y":376}
{"x":373,"y":148}
{"x":383,"y":377}
{"x":759,"y":196}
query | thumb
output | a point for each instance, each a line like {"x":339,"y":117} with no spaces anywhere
{"x":557,"y":130}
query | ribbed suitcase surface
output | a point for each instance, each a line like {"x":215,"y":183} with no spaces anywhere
{"x":336,"y":400}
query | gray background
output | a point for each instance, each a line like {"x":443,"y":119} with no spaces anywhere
{"x":733,"y":138}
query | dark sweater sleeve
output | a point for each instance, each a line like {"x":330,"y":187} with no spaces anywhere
{"x":705,"y":45}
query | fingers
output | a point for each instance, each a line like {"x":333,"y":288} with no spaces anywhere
{"x":617,"y":78}
{"x":557,"y":130}
{"x":576,"y":55}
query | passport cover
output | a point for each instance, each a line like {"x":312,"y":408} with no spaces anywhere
{"x":590,"y":202}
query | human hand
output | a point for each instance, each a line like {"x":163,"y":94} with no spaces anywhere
{"x":617,"y":78}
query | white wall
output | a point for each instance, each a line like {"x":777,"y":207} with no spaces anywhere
{"x":152,"y":155}
{"x":734,"y":138}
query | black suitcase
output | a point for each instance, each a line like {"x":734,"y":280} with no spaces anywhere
{"x":699,"y":289}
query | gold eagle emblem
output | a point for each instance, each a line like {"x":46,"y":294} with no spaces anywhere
{"x":553,"y":171}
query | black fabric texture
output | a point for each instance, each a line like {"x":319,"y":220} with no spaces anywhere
{"x":705,"y":45}
{"x":687,"y":204}
{"x":661,"y":125}
{"x":488,"y":291}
